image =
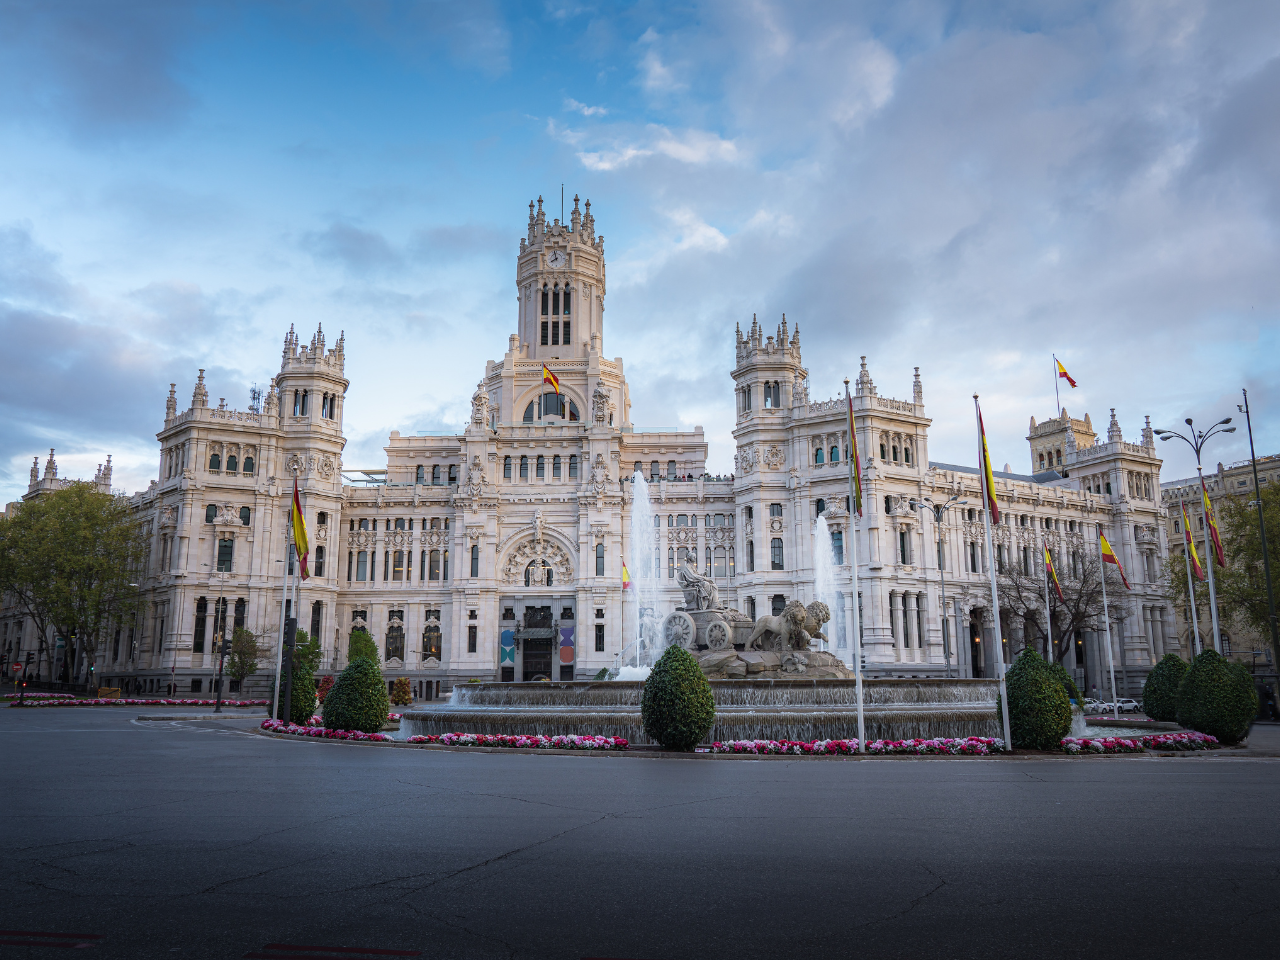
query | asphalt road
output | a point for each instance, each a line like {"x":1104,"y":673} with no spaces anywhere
{"x":201,"y":839}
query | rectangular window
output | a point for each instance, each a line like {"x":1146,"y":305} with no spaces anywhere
{"x":506,"y":468}
{"x":904,"y":548}
{"x":225,"y":550}
{"x":775,"y":509}
{"x":542,"y":468}
{"x":778,"y":604}
{"x":475,"y":561}
{"x":471,"y":638}
{"x":555,"y":468}
{"x":599,"y":638}
{"x":599,"y":559}
{"x":973,"y":557}
{"x":202,"y":612}
{"x":386,"y":565}
{"x":435,"y":565}
{"x":446,"y":565}
{"x":566,"y":323}
{"x":362,"y":565}
{"x":751,"y":607}
{"x":546,"y":333}
{"x":837,"y":546}
{"x":555,"y":332}
{"x":751,"y":556}
{"x":775,"y":553}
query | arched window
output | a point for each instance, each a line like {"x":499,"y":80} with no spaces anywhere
{"x":835,"y":454}
{"x":529,"y":412}
{"x":541,"y":467}
{"x":364,"y":523}
{"x":555,"y":467}
{"x":538,"y":574}
{"x":420,"y":475}
{"x":210,"y":513}
{"x":244,"y":516}
{"x":305,"y":394}
{"x":399,"y":523}
{"x":818,"y":457}
{"x":232,"y":464}
{"x":215,"y":462}
{"x":565,"y":311}
{"x":1058,"y":456}
{"x":546,"y":301}
{"x":1108,"y":488}
{"x":435,"y":475}
{"x":226,"y":549}
{"x":720,"y":569}
{"x":671,"y":563}
{"x":768,"y":395}
{"x":599,"y":559}
{"x":1042,"y":461}
{"x":524,"y":468}
{"x":475,"y":560}
{"x":555,"y":301}
{"x":248,"y":465}
{"x":297,"y":400}
{"x":895,"y":453}
{"x":906,"y":454}
{"x":882,"y":454}
{"x":453,"y":473}
{"x":820,"y":506}
{"x":573,"y":466}
{"x":506,"y":468}
{"x":319,"y":570}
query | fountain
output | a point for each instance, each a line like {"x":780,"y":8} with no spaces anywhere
{"x":824,"y":569}
{"x":638,"y":657}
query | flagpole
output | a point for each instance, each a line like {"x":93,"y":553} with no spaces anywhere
{"x":284,"y":592}
{"x":989,"y":497}
{"x":1191,"y":583}
{"x":855,"y":643}
{"x":1209,"y":558}
{"x":1056,"y":378}
{"x":1106,"y":621}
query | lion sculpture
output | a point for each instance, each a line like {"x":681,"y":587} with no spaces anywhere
{"x":792,"y":629}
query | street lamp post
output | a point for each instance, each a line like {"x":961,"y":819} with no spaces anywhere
{"x":1196,"y":442}
{"x":938,"y":509}
{"x":1262,"y":530}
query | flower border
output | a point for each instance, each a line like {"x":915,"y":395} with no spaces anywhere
{"x":138,"y":703}
{"x":1186,"y":741}
{"x":529,"y":742}
{"x":953,"y":746}
{"x":279,"y":726}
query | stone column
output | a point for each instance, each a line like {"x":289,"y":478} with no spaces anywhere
{"x":895,"y":612}
{"x":911,"y":617}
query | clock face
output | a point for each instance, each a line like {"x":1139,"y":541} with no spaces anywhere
{"x":556,"y":259}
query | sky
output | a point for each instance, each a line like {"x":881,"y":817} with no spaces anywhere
{"x":967,"y":188}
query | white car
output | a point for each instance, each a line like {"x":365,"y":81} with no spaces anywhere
{"x":1129,"y":706}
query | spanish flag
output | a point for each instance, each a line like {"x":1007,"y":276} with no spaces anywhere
{"x":856,"y":460}
{"x":1109,"y":556}
{"x":1213,"y":527}
{"x":551,"y":378}
{"x":1053,"y":575}
{"x":988,"y":481}
{"x":1191,"y":544}
{"x":299,"y":531}
{"x":626,"y":576}
{"x":1062,"y":372}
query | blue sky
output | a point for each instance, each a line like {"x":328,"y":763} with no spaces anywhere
{"x":966,"y":188}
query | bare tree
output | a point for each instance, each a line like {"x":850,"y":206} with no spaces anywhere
{"x":1022,"y":593}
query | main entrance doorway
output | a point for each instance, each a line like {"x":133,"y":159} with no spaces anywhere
{"x":537,"y":659}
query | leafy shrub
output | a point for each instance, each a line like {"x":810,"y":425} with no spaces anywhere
{"x":1217,"y":697}
{"x":401,"y":693}
{"x":358,"y":700}
{"x":1039,"y":711}
{"x":324,"y":686}
{"x":677,"y":709}
{"x":1160,"y":692}
{"x":302,"y":699}
{"x":1064,"y":678}
{"x":362,"y":645}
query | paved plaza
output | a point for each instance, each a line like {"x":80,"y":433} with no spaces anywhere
{"x":204,"y":839}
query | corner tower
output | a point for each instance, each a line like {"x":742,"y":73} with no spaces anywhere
{"x":560,"y":278}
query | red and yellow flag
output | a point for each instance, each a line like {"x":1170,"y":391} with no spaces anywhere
{"x":1053,"y":575}
{"x":1062,"y":372}
{"x":1191,"y":544}
{"x":1109,"y":556}
{"x":626,"y":576}
{"x":854,"y":460}
{"x":299,"y":523}
{"x":551,"y":378}
{"x":1213,"y":527}
{"x":988,"y":481}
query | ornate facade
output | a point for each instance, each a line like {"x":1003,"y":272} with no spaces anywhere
{"x":495,"y":552}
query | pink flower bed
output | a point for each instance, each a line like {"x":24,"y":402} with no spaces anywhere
{"x":42,"y":696}
{"x":528,"y":742}
{"x":279,"y":726}
{"x":1187,"y":740}
{"x":975,"y":746}
{"x":139,"y":703}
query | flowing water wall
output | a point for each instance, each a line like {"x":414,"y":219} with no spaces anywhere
{"x":824,"y":580}
{"x":745,"y":709}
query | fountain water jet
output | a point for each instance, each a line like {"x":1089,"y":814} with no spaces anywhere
{"x":645,"y":590}
{"x":824,"y":573}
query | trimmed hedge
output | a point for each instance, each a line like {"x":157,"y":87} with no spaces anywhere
{"x":1039,"y":711}
{"x":677,"y":708}
{"x":1160,"y":692}
{"x":1064,"y":678}
{"x":402,"y":693}
{"x":358,"y":700}
{"x":1217,"y":697}
{"x":302,"y":699}
{"x":362,"y":645}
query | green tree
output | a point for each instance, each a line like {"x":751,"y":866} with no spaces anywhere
{"x":242,"y":661}
{"x":1022,"y":595}
{"x":1242,"y":586}
{"x":676,"y":707}
{"x":71,"y":560}
{"x":362,"y":645}
{"x":358,"y":700}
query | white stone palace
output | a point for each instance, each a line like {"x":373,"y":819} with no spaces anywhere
{"x":514,"y":528}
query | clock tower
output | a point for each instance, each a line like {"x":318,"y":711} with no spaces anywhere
{"x":560,"y":278}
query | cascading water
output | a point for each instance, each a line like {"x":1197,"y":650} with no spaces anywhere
{"x":644,"y":565}
{"x":824,"y":576}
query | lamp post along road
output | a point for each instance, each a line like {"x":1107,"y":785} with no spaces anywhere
{"x":938,"y":509}
{"x":1262,"y":531}
{"x":1196,"y":442}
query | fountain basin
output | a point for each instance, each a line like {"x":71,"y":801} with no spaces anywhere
{"x":770,"y":709}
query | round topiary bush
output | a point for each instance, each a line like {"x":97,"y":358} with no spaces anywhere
{"x":1064,"y":678}
{"x":1039,"y":711}
{"x":358,"y":700}
{"x":362,"y":645}
{"x":1217,"y":697}
{"x":677,"y":709}
{"x":302,"y":706}
{"x":1160,"y":692}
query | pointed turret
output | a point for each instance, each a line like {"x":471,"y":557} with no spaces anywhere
{"x":171,"y":404}
{"x":1114,"y":434}
{"x":575,"y":220}
{"x":51,"y":467}
{"x":917,"y":389}
{"x":200,"y":395}
{"x":1148,"y":435}
{"x":35,"y":470}
{"x":866,"y":388}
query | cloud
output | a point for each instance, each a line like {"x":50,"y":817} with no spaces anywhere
{"x":358,"y":251}
{"x":583,"y":109}
{"x":694,"y":147}
{"x":656,"y":76}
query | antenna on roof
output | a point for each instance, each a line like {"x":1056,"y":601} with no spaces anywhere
{"x":255,"y":399}
{"x":562,"y":203}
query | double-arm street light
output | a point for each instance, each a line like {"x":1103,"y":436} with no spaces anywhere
{"x":1196,"y":441}
{"x":938,"y":509}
